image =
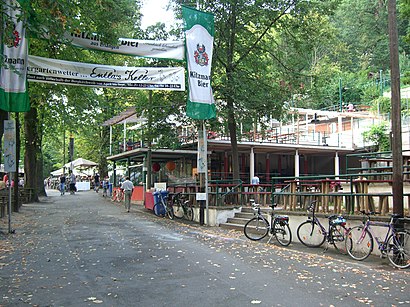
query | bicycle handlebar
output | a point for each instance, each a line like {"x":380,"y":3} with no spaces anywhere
{"x":311,"y":206}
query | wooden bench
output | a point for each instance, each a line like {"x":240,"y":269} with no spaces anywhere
{"x":3,"y":206}
{"x":25,"y":196}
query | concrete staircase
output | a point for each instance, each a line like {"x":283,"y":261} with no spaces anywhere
{"x":239,"y":220}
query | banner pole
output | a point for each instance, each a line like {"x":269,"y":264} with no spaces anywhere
{"x":206,"y":174}
{"x":9,"y":204}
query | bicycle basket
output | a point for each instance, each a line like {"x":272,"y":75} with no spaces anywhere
{"x":282,"y":219}
{"x":338,"y":220}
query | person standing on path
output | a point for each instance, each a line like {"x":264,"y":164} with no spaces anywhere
{"x":72,"y":183}
{"x":62,"y":184}
{"x":96,"y":182}
{"x":127,"y":186}
{"x":255,"y":187}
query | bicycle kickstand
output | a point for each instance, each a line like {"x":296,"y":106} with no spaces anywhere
{"x":326,"y":247}
{"x":271,"y":235}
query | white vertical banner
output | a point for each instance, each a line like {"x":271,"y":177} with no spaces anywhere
{"x":199,"y":40}
{"x":14,"y":50}
{"x":10,"y":163}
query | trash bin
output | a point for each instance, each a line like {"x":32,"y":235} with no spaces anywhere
{"x":157,"y":199}
{"x":149,"y":201}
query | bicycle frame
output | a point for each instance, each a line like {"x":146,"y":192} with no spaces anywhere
{"x":314,"y":219}
{"x":367,"y":226}
{"x":326,"y":232}
{"x":273,"y":217}
{"x":163,"y":200}
{"x":179,"y":198}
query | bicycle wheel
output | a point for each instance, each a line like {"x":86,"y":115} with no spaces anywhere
{"x":169,"y":211}
{"x":178,"y":210}
{"x":120,"y":196}
{"x":398,"y":249}
{"x":256,"y":229}
{"x":359,"y":243}
{"x":159,"y":210}
{"x":310,"y":234}
{"x":114,"y":195}
{"x":189,"y":214}
{"x":338,"y":237}
{"x":282,"y":233}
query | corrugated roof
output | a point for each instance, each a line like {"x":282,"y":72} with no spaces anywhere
{"x":129,"y":116}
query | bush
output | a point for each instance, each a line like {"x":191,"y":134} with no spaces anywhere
{"x":377,"y":135}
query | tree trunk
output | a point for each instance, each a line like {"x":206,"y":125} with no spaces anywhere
{"x":234,"y":141}
{"x":31,"y":150}
{"x":104,"y":141}
{"x":40,"y":170}
{"x":230,"y":100}
{"x":397,"y":186}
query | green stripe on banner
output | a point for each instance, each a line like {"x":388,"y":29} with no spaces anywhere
{"x":14,"y":102}
{"x":13,"y":82}
{"x":200,"y":111}
{"x":193,"y":17}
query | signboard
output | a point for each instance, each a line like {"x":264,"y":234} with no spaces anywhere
{"x":173,"y":50}
{"x":96,"y":75}
{"x":200,"y":196}
{"x":202,"y":163}
{"x":10,"y":163}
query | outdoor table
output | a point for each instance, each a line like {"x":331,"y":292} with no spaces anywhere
{"x":83,"y":186}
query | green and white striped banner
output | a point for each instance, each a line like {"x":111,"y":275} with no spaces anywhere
{"x":199,"y":39}
{"x":14,"y":51}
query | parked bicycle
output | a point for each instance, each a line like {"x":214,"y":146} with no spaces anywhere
{"x":396,"y":243}
{"x":312,"y":233}
{"x":258,"y":227}
{"x":182,"y":207}
{"x":162,"y":207}
{"x":117,"y":195}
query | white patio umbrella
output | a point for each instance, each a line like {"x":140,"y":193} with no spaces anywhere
{"x":60,"y":171}
{"x":80,"y":163}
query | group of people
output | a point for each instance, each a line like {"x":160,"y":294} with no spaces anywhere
{"x":71,"y":181}
{"x":105,"y":184}
{"x":5,"y":183}
{"x":127,"y":186}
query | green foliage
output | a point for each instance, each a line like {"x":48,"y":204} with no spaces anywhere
{"x":65,"y":111}
{"x":381,"y":105}
{"x":404,"y":14}
{"x":268,"y":55}
{"x":362,"y":27}
{"x":379,"y":136}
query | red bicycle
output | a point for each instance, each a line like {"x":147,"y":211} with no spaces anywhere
{"x":117,"y":195}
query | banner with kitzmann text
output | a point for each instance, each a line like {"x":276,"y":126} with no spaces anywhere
{"x":84,"y":74}
{"x":173,"y":50}
{"x":13,"y":85}
{"x":199,"y":32}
